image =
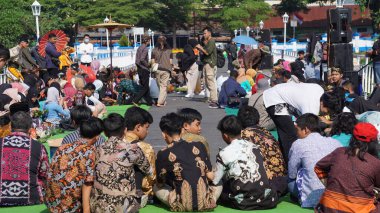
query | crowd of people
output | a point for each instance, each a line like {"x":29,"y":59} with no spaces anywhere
{"x":327,"y":155}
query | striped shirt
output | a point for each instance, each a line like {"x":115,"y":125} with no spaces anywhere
{"x":74,"y":136}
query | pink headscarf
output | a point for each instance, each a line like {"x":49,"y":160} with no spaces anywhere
{"x":21,"y":87}
{"x":286,"y":65}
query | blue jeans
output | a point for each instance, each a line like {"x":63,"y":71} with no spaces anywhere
{"x":376,"y":69}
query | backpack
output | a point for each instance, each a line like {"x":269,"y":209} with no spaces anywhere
{"x":220,"y":60}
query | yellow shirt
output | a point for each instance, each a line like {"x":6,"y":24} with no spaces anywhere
{"x":148,"y":181}
{"x":65,"y":57}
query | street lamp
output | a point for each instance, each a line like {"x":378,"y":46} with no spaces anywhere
{"x":261,"y":24}
{"x":235,"y":32}
{"x":285,"y":19}
{"x":36,"y":9}
{"x":153,"y":38}
{"x":150,"y":35}
{"x":106,"y":20}
{"x":339,"y":3}
{"x":240,"y":31}
{"x":248,"y":29}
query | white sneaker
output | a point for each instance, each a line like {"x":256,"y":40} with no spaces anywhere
{"x":189,"y":95}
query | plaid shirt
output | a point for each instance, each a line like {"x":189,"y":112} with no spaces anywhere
{"x":74,"y":136}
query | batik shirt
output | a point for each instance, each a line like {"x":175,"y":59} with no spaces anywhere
{"x":270,"y":149}
{"x":183,"y":166}
{"x":126,"y":87}
{"x":147,"y":181}
{"x":71,"y":166}
{"x":114,"y":186}
{"x":23,"y":170}
{"x":245,"y":183}
{"x":190,"y":137}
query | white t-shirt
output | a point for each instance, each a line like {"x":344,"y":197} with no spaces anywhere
{"x":303,"y":96}
{"x":86,"y":50}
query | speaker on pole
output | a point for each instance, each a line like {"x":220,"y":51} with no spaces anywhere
{"x":339,"y":21}
{"x":341,"y":56}
{"x":265,"y":38}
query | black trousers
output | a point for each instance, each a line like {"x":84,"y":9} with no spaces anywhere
{"x":144,"y":91}
{"x":286,"y":130}
{"x":230,"y":65}
{"x":53,"y":72}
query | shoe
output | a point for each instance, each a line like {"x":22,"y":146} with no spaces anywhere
{"x":213,"y":106}
{"x":189,"y":95}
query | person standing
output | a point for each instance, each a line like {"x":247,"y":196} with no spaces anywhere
{"x":189,"y":65}
{"x":231,"y":50}
{"x":253,"y":58}
{"x":376,"y":60}
{"x":142,"y":63}
{"x":162,"y":55}
{"x":4,"y":56}
{"x":209,"y":65}
{"x":85,"y":50}
{"x":52,"y":61}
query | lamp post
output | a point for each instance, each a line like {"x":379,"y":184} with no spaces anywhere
{"x":106,"y":20}
{"x":153,"y":38}
{"x":285,"y":19}
{"x":261,"y":24}
{"x":36,"y":9}
{"x":235,"y":32}
{"x":339,"y":3}
{"x":247,"y":29}
{"x":240,"y":31}
{"x":150,"y":35}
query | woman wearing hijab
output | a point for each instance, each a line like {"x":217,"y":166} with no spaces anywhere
{"x":188,"y":64}
{"x":56,"y":107}
{"x":32,"y":99}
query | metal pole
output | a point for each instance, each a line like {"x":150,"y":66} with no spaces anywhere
{"x":110,"y":49}
{"x":108,"y":42}
{"x":284,"y":40}
{"x":294,"y":32}
{"x":38,"y":28}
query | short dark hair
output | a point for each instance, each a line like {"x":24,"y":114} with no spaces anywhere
{"x":171,"y":124}
{"x":371,"y":148}
{"x":336,"y":69}
{"x":301,"y":52}
{"x":234,"y":74}
{"x":52,"y":35}
{"x":333,"y":101}
{"x":230,"y":125}
{"x":80,"y":113}
{"x":114,"y":125}
{"x":19,"y":107}
{"x":91,"y":128}
{"x":189,"y":115}
{"x":4,"y":53}
{"x":309,"y":121}
{"x":208,"y":29}
{"x":86,"y":35}
{"x":344,"y":123}
{"x":136,"y":115}
{"x":21,"y":120}
{"x":248,"y":116}
{"x":89,"y":86}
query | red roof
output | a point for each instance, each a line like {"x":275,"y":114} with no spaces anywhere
{"x":316,"y":17}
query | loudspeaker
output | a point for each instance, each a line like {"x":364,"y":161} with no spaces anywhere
{"x":264,"y":36}
{"x":341,"y":55}
{"x":339,"y":21}
{"x":266,"y":62}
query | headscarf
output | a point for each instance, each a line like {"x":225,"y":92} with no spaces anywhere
{"x":21,"y":87}
{"x":57,"y":86}
{"x":95,"y":65}
{"x":52,"y":95}
{"x":13,"y":93}
{"x":3,"y":87}
{"x":33,"y":93}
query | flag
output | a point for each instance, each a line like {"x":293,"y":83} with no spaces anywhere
{"x":298,"y":18}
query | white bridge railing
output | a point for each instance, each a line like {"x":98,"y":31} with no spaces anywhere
{"x":368,"y":79}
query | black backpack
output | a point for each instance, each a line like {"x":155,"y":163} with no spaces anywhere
{"x":220,"y":60}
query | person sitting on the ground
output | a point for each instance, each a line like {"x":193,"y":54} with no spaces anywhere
{"x":78,"y":115}
{"x":126,"y":89}
{"x":183,"y":171}
{"x":72,"y":171}
{"x":336,"y":77}
{"x":97,"y":107}
{"x":331,"y":106}
{"x":114,"y":187}
{"x":243,"y":80}
{"x":305,"y":152}
{"x":24,"y":165}
{"x":274,"y":163}
{"x":192,"y":127}
{"x":351,"y":175}
{"x":230,"y":89}
{"x":257,"y":101}
{"x":349,"y":89}
{"x":240,"y":166}
{"x":55,"y":105}
{"x":137,"y":122}
{"x":342,"y":128}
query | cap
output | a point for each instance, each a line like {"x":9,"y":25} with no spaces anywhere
{"x":365,"y":132}
{"x":265,"y":49}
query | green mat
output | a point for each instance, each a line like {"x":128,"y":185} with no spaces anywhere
{"x":285,"y":206}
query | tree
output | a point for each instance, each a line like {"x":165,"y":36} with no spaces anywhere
{"x":237,"y":13}
{"x":124,"y":41}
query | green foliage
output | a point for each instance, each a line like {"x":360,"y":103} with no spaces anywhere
{"x":237,"y":13}
{"x":124,"y":41}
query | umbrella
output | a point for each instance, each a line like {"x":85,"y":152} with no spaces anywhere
{"x":110,"y":26}
{"x":60,"y":44}
{"x":244,"y":40}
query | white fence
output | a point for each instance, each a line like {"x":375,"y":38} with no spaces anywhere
{"x":368,"y":79}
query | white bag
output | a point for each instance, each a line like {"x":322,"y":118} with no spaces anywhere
{"x":154,"y":90}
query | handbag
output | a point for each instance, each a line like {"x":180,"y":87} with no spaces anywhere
{"x":232,"y":101}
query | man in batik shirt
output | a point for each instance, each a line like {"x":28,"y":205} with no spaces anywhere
{"x":245,"y":183}
{"x":126,"y":89}
{"x":24,"y":164}
{"x":71,"y":173}
{"x":184,"y":170}
{"x":115,"y":185}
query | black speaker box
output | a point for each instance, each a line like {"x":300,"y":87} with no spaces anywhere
{"x":266,"y":62}
{"x":339,"y":25}
{"x":264,"y":36}
{"x":341,"y":55}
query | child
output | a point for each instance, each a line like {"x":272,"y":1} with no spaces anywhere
{"x":126,"y":89}
{"x":183,"y":168}
{"x":137,"y":122}
{"x":114,"y":183}
{"x":240,"y":165}
{"x":98,"y":108}
{"x":71,"y":172}
{"x":192,"y":127}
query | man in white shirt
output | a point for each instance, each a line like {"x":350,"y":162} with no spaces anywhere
{"x":85,"y":50}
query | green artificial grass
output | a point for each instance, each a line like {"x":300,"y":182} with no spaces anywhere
{"x":285,"y":206}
